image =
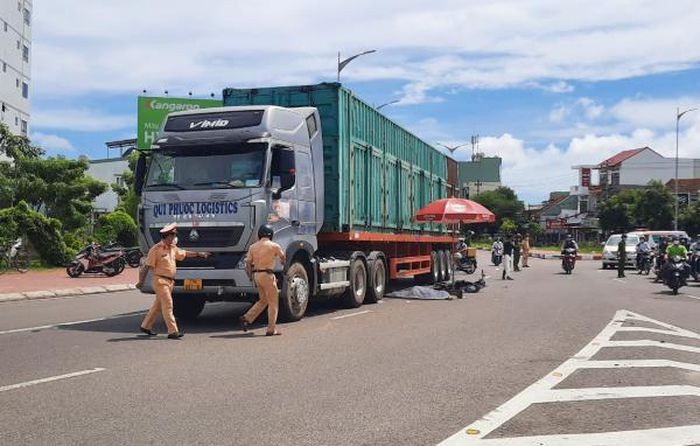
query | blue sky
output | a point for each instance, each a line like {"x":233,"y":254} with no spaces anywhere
{"x":546,"y":84}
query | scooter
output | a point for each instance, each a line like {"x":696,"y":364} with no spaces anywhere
{"x":644,"y":263}
{"x":93,"y":260}
{"x":465,"y":262}
{"x":496,"y":256}
{"x":676,"y":274}
{"x":568,"y":259}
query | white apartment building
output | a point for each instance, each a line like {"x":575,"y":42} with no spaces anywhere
{"x":15,"y":64}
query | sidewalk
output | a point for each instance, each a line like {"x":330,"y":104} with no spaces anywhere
{"x":56,"y":283}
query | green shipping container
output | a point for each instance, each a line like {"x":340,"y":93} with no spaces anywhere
{"x":377,"y":174}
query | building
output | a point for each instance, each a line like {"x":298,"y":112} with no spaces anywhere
{"x":111,"y":171}
{"x":15,"y":64}
{"x":479,"y":175}
{"x":688,"y":189}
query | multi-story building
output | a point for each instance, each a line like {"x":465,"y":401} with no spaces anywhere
{"x":15,"y":64}
{"x":479,"y":175}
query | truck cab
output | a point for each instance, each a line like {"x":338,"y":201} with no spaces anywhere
{"x":219,"y":174}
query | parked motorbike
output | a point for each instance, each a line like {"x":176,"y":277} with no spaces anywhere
{"x":568,"y":259}
{"x":93,"y":259}
{"x":676,"y":274}
{"x":644,"y":263}
{"x":132,"y":256}
{"x":465,"y":262}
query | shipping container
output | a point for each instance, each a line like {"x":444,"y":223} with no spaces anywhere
{"x":377,"y":173}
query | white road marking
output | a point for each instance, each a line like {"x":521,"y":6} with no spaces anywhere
{"x":692,"y":297}
{"x":351,"y":315}
{"x":68,"y":324}
{"x":51,"y":379}
{"x":543,"y":391}
{"x":619,"y":280}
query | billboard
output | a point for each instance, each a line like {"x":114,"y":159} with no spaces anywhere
{"x":151,"y":113}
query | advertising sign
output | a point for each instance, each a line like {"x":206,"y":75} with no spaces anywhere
{"x":152,"y":111}
{"x":585,"y":177}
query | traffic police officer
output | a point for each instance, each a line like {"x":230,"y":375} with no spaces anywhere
{"x":161,"y":259}
{"x":621,"y":256}
{"x":259,"y":266}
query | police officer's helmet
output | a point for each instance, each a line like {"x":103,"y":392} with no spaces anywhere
{"x":265,"y":231}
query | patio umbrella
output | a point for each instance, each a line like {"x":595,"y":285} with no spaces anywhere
{"x":454,"y":211}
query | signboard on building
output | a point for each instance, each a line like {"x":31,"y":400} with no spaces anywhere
{"x":559,"y":223}
{"x":585,"y":177}
{"x":152,"y":111}
{"x":683,"y":199}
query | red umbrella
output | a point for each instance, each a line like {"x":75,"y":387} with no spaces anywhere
{"x":455,"y":210}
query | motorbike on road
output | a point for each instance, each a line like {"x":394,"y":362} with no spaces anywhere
{"x":496,"y":256}
{"x":676,"y":274}
{"x":93,"y":259}
{"x":568,"y":259}
{"x":466,"y":261}
{"x":132,"y":256}
{"x":644,"y":263}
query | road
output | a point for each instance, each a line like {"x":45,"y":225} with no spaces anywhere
{"x":580,"y":359}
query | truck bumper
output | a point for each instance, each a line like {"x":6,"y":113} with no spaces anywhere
{"x":217,"y":284}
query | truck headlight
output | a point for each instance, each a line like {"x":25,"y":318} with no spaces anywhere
{"x":242,"y":263}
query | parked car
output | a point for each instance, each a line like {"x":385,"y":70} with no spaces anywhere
{"x":610,"y":250}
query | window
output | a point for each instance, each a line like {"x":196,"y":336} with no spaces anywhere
{"x":3,"y":107}
{"x":25,"y":53}
{"x":311,"y":125}
{"x":16,"y":120}
{"x":18,"y":44}
{"x":24,"y":127}
{"x":27,"y":16}
{"x":282,"y":172}
{"x":4,"y":67}
{"x":25,"y":90}
{"x":19,"y":6}
{"x":119,"y":180}
{"x":17,"y":82}
{"x":5,"y":26}
{"x":615,"y":179}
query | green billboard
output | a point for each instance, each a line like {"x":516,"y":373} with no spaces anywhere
{"x":153,"y":110}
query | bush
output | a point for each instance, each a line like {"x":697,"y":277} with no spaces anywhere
{"x":117,"y":226}
{"x":43,"y":233}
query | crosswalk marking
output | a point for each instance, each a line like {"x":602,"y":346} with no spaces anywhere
{"x":543,"y":391}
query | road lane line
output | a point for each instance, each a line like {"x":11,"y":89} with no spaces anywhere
{"x":692,"y":297}
{"x":351,"y":315}
{"x":619,"y":280}
{"x":544,"y":391}
{"x":68,"y":324}
{"x":51,"y":379}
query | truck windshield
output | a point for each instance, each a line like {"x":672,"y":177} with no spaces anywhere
{"x":207,"y":167}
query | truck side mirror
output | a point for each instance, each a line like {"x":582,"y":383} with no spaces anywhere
{"x":139,"y":174}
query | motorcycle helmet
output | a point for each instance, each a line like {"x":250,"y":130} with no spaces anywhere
{"x":266,"y":231}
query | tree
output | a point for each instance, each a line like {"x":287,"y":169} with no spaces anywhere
{"x":504,"y":203}
{"x":128,"y":200}
{"x":654,"y":208}
{"x":58,"y":187}
{"x":508,"y":226}
{"x":117,"y":226}
{"x":618,"y":213}
{"x":16,"y":146}
{"x":689,"y":219}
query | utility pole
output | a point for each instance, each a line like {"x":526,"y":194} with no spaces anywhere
{"x":475,"y":146}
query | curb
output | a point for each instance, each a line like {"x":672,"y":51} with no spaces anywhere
{"x":548,"y":256}
{"x":66,"y":292}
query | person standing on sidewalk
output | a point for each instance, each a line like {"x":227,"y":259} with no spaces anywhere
{"x":516,"y":252}
{"x":507,"y":258}
{"x":260,"y":264}
{"x":525,"y":249}
{"x":621,"y":256}
{"x":162,"y":258}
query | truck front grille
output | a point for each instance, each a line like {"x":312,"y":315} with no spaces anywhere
{"x":206,"y":237}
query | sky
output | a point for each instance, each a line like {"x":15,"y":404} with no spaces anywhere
{"x":546,"y":84}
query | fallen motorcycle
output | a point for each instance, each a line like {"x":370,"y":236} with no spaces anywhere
{"x":93,"y":259}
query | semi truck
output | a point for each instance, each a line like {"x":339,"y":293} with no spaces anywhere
{"x":337,"y":180}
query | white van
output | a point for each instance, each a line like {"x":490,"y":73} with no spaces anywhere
{"x":610,"y":250}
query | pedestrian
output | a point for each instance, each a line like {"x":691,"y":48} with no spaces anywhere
{"x":260,"y":263}
{"x":621,"y":256}
{"x":516,"y":252}
{"x":525,"y":249}
{"x":507,"y":258}
{"x":162,"y":258}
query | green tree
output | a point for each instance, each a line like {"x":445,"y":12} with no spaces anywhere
{"x":16,"y":146}
{"x":504,"y":203}
{"x":689,"y":219}
{"x":508,"y":226}
{"x":58,"y":187}
{"x":43,"y":233}
{"x":618,"y":213}
{"x":117,"y":226}
{"x":128,"y":200}
{"x":654,"y":207}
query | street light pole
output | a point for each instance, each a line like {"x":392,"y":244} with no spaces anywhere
{"x":342,"y":64}
{"x":679,"y":115}
{"x":451,"y":148}
{"x":387,"y":103}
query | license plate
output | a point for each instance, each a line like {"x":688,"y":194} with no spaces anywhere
{"x":193,"y":284}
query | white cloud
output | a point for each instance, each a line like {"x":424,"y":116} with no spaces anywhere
{"x":80,"y":120}
{"x":655,"y":113}
{"x":129,"y":45}
{"x":52,"y":143}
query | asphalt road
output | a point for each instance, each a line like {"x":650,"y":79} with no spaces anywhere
{"x":561,"y":357}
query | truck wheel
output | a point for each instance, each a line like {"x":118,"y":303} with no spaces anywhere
{"x":294,"y":298}
{"x":435,"y":266}
{"x":448,"y":264}
{"x":442,"y":261}
{"x":377,"y":281}
{"x":355,"y":294}
{"x":187,"y":307}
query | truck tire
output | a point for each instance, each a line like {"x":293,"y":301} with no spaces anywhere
{"x":296,"y":290}
{"x":377,"y":280}
{"x":448,"y":264}
{"x":187,"y":307}
{"x":355,"y":294}
{"x":442,"y":262}
{"x":435,"y":267}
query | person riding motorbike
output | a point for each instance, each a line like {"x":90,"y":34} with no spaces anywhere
{"x":497,"y":251}
{"x":642,"y":248}
{"x":569,"y":242}
{"x":694,"y":252}
{"x":674,"y":250}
